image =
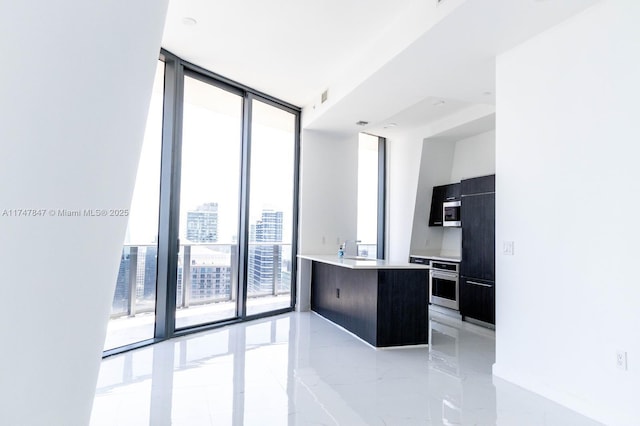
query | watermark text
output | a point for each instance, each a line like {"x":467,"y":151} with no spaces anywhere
{"x":63,"y":212}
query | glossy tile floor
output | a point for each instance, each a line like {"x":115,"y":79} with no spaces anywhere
{"x":125,"y":330}
{"x":300,"y":369}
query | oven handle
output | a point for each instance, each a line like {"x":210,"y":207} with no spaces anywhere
{"x":444,"y":275}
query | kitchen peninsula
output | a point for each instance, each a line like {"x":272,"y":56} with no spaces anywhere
{"x":384,"y":303}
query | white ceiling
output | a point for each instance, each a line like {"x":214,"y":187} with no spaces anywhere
{"x":291,"y":49}
{"x":382,"y":61}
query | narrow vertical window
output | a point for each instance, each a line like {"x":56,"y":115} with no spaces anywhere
{"x":370,"y":225}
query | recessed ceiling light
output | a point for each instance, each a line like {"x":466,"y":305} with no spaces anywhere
{"x":437,"y":102}
{"x":487,"y":93}
{"x":189,"y":21}
{"x":362,"y":123}
{"x":390,"y":125}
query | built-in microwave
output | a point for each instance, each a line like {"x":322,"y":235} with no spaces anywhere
{"x":451,"y":213}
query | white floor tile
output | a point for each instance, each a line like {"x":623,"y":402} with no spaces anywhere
{"x":299,"y":369}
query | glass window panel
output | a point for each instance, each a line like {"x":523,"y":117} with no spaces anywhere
{"x":367,"y":225}
{"x":270,"y":208}
{"x":209,"y":204}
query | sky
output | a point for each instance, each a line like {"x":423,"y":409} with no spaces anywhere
{"x":367,"y":229}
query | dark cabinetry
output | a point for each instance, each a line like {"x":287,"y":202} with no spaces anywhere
{"x":347,"y":297}
{"x":478,"y":299}
{"x":385,"y":307}
{"x":479,"y":185}
{"x":477,"y":271}
{"x":478,"y":236}
{"x":440,"y":195}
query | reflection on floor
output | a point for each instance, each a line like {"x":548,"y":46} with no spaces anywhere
{"x":300,"y":369}
{"x":126,"y":330}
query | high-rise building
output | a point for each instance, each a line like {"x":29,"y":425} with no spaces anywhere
{"x":202,"y":224}
{"x":265,"y":259}
{"x":144,"y":260}
{"x":150,"y":271}
{"x":120,"y":302}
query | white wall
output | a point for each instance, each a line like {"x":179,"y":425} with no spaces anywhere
{"x":403,"y":169}
{"x":76,"y":84}
{"x":567,"y":185}
{"x":474,"y":156}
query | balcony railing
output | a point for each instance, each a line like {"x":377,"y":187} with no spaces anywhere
{"x":207,"y":273}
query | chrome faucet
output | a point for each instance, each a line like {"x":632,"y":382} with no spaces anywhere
{"x":351,"y":248}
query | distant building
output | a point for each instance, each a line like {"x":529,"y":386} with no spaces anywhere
{"x":202,"y":224}
{"x":265,"y":270}
{"x":150,"y":271}
{"x":120,"y":302}
{"x":145,"y":286}
{"x":210,"y":276}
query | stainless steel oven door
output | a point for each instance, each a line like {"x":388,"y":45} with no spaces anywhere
{"x":444,"y":289}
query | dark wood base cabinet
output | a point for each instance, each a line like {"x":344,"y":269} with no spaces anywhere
{"x":478,"y":299}
{"x":385,"y":307}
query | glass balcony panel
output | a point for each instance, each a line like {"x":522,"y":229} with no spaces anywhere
{"x":208,"y":294}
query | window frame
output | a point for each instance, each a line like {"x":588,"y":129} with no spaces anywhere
{"x":168,"y":229}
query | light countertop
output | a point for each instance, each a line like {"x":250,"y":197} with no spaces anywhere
{"x":360,"y":264}
{"x":443,"y":257}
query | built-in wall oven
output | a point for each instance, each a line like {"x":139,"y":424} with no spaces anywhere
{"x":443,"y":284}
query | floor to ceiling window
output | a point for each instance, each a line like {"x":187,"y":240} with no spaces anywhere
{"x":371,"y":196}
{"x":212,"y":231}
{"x":209,"y":203}
{"x":134,"y":299}
{"x":271,"y":208}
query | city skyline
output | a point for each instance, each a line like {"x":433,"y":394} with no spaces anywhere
{"x":210,"y":267}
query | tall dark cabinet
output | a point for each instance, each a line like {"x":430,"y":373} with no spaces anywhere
{"x":477,"y":270}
